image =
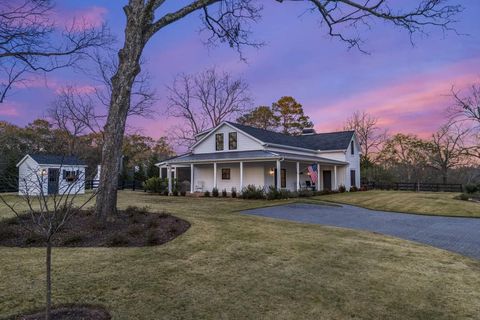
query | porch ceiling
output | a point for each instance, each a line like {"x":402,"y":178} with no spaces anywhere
{"x":255,"y":155}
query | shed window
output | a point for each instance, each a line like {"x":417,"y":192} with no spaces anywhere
{"x":232,"y":141}
{"x":226,"y":174}
{"x":70,"y":175}
{"x":352,"y":150}
{"x":219,"y":141}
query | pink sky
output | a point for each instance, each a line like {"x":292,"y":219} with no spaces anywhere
{"x":407,"y":87}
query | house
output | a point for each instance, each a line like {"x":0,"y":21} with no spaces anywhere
{"x":41,"y":174}
{"x":232,"y":155}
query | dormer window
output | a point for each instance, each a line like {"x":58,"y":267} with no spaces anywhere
{"x":232,"y":141}
{"x":219,"y":141}
{"x":352,"y":150}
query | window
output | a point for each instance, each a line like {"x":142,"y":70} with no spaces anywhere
{"x":352,"y":150}
{"x":353,"y":179}
{"x":219,"y":141}
{"x":226,"y":174}
{"x":232,"y":141}
{"x":70,"y":176}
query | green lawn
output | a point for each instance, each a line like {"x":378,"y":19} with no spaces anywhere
{"x":432,"y":203}
{"x":230,"y":266}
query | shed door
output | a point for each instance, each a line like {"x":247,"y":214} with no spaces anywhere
{"x":53,"y":177}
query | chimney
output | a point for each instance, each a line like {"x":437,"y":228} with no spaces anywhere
{"x":308,"y":131}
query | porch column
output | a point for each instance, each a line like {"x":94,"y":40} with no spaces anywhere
{"x":175,"y":173}
{"x":318,"y":176}
{"x":169,"y":177}
{"x":298,"y":176}
{"x":160,"y":169}
{"x":192,"y":182}
{"x":335,"y":187}
{"x":214,"y":174}
{"x":241,"y":176}
{"x":279,"y":175}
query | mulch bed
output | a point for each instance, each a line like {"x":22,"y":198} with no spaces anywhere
{"x":133,"y":227}
{"x":69,"y":312}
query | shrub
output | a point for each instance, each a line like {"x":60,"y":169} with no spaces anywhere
{"x":215,"y":192}
{"x":285,"y":194}
{"x":184,"y":186}
{"x":342,"y":189}
{"x":206,"y":194}
{"x":155,"y":185}
{"x":183,"y":193}
{"x":252,"y":192}
{"x":471,"y":188}
{"x":273,"y":193}
{"x":234,"y":192}
{"x":353,"y":189}
{"x":165,"y":192}
{"x":224,"y":193}
{"x":464,"y":197}
{"x":303,"y":193}
{"x":175,"y":192}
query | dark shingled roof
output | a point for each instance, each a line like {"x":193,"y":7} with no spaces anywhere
{"x":239,"y":155}
{"x":320,"y":141}
{"x":57,"y":159}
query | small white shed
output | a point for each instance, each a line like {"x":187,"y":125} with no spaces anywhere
{"x":50,"y":174}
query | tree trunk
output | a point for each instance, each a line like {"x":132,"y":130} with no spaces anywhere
{"x":49,"y":280}
{"x":122,"y":82}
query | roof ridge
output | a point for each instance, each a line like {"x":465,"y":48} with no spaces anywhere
{"x":271,"y":131}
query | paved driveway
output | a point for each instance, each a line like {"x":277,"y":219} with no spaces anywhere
{"x":460,"y":235}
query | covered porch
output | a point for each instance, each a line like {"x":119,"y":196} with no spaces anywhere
{"x":236,"y":170}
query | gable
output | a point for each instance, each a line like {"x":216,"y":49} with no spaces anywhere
{"x":244,"y":141}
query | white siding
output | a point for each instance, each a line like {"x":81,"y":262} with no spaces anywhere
{"x":244,"y":142}
{"x":33,"y":179}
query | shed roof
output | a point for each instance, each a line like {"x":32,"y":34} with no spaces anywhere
{"x":52,"y":159}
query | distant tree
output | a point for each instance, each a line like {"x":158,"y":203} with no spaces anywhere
{"x":30,"y":42}
{"x":204,"y":100}
{"x":448,"y":148}
{"x":406,"y":155}
{"x":290,"y":115}
{"x":467,"y":107}
{"x":261,"y":117}
{"x":369,"y":134}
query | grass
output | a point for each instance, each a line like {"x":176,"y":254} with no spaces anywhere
{"x":430,"y":203}
{"x":231,"y":266}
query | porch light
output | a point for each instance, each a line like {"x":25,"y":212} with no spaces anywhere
{"x":272,"y":171}
{"x":42,"y":172}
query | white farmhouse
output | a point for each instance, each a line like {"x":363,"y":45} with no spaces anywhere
{"x":41,"y":174}
{"x":234,"y":156}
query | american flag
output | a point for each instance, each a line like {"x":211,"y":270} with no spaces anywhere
{"x":312,"y":170}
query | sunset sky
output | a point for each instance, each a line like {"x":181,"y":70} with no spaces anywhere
{"x":407,"y":86}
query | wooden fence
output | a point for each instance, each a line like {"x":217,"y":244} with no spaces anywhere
{"x":415,"y":186}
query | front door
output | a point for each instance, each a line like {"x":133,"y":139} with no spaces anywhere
{"x":327,"y":180}
{"x":53,"y":177}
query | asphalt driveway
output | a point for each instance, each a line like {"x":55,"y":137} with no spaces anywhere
{"x":461,"y":235}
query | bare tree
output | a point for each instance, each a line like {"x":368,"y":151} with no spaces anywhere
{"x":228,"y":21}
{"x":467,"y":107}
{"x":369,"y":134}
{"x":204,"y":100}
{"x":30,"y":42}
{"x":74,"y":113}
{"x":449,"y":148}
{"x":45,"y":214}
